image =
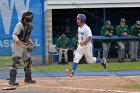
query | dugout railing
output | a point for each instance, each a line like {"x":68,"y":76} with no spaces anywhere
{"x":113,"y":38}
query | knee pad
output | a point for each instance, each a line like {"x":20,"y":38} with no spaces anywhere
{"x":28,"y":63}
{"x":16,"y":62}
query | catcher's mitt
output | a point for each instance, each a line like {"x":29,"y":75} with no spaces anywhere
{"x":30,"y":48}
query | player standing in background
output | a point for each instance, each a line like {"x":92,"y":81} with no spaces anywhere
{"x":22,"y":45}
{"x":134,"y":44}
{"x":84,"y":46}
{"x":75,"y":42}
{"x":121,"y":30}
{"x":107,"y":30}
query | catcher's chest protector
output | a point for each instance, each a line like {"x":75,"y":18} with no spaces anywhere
{"x":25,"y":34}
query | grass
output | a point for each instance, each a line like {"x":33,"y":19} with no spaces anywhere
{"x":130,"y":86}
{"x":5,"y":61}
{"x":90,"y":67}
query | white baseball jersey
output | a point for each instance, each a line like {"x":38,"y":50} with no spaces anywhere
{"x":84,"y":33}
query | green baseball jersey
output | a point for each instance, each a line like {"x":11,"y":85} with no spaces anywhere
{"x":120,"y":30}
{"x":75,"y":42}
{"x":62,"y":43}
{"x":105,"y":31}
{"x":134,"y":30}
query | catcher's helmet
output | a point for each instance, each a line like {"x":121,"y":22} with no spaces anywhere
{"x":28,"y":16}
{"x":82,"y":17}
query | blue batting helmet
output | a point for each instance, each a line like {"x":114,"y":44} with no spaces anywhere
{"x":82,"y":17}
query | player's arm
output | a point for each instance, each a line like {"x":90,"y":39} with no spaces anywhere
{"x":30,"y":42}
{"x":16,"y":39}
{"x":16,"y":32}
{"x":86,"y":41}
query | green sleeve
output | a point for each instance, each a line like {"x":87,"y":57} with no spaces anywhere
{"x":57,"y":44}
{"x":118,"y":31}
{"x":132,"y":31}
{"x":74,"y":41}
{"x":113,"y":29}
{"x":68,"y":43}
{"x":103,"y":31}
{"x":127,"y":30}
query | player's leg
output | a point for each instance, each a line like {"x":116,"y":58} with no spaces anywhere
{"x":13,"y":71}
{"x":131,"y":44}
{"x":60,"y":56}
{"x":108,"y":48}
{"x":78,"y":56}
{"x":17,"y":52}
{"x":89,"y":56}
{"x":66,"y":55}
{"x":27,"y":67}
{"x":136,"y":45}
{"x":104,"y":49}
{"x":121,"y":50}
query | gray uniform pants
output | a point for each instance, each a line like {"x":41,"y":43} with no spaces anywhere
{"x":121,"y":50}
{"x":134,"y":45}
{"x":17,"y":51}
{"x":65,"y":55}
{"x":106,"y":47}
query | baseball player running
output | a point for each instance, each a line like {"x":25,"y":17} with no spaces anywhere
{"x":84,"y":46}
{"x":22,"y":45}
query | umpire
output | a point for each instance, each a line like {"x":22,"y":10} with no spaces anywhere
{"x":121,"y":30}
{"x":134,"y":44}
{"x":22,"y":45}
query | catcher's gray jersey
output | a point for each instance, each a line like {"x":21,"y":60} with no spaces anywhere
{"x":18,"y":51}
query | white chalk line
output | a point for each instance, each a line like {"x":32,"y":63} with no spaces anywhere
{"x":83,"y":89}
{"x":85,"y":79}
{"x":73,"y":80}
{"x":67,"y":80}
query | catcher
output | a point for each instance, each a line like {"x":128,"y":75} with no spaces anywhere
{"x":22,"y":45}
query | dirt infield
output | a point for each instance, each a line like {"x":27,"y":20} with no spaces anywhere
{"x":77,"y":84}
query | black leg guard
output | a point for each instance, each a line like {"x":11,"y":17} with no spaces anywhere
{"x":13,"y":74}
{"x":13,"y":71}
{"x":28,"y":72}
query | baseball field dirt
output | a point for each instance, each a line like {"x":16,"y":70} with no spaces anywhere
{"x":77,"y":84}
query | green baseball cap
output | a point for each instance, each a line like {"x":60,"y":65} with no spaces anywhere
{"x":122,"y":20}
{"x":138,"y":22}
{"x":108,"y":23}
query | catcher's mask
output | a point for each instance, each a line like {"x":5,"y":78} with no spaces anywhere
{"x":28,"y":16}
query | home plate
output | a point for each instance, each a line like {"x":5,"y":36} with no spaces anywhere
{"x":9,"y":88}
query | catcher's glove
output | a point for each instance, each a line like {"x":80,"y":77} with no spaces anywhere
{"x":30,"y":48}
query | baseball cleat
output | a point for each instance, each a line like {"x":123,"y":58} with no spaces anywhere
{"x":29,"y":81}
{"x":103,"y":63}
{"x":13,"y":84}
{"x":69,"y":72}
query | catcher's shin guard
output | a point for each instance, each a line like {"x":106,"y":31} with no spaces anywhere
{"x":13,"y":71}
{"x":28,"y":72}
{"x":13,"y":74}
